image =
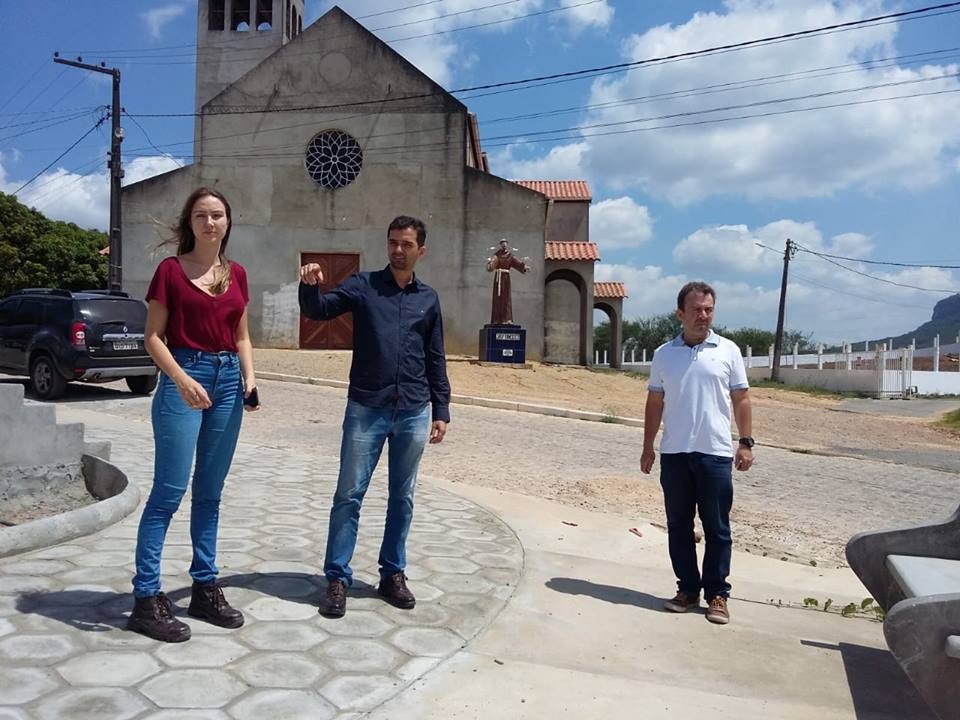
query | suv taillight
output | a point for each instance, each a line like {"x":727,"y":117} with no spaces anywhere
{"x":78,"y":336}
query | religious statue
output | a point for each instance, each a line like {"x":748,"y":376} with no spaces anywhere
{"x":500,"y":265}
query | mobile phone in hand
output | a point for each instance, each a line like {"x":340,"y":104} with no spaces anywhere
{"x":253,"y":399}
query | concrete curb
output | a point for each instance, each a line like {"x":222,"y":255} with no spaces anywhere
{"x":75,"y":523}
{"x":514,"y":405}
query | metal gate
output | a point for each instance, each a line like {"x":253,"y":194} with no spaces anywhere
{"x":894,"y":373}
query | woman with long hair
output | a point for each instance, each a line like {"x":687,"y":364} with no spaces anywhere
{"x":197,"y":334}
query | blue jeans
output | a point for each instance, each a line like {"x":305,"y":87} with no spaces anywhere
{"x":365,"y":429}
{"x":179,"y":431}
{"x":702,"y":483}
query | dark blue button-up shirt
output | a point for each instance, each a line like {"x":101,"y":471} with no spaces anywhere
{"x":398,"y":356}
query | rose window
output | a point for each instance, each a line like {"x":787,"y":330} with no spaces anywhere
{"x":334,"y":159}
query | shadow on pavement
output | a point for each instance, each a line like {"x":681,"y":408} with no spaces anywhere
{"x":86,"y":610}
{"x":607,"y":593}
{"x":878,"y":686}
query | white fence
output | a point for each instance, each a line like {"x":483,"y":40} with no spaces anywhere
{"x":880,"y":371}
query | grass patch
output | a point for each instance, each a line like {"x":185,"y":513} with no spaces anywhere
{"x":613,"y":371}
{"x":808,"y":390}
{"x":950,"y":421}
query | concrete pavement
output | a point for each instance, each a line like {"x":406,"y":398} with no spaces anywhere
{"x":526,"y":609}
{"x":64,"y":652}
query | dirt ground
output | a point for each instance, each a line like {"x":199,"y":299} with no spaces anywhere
{"x":784,"y":418}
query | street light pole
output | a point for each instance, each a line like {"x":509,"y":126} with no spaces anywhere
{"x":115,"y":277}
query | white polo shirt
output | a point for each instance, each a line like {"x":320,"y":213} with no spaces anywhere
{"x":696,"y":383}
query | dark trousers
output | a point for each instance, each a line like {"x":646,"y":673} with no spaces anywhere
{"x":695,"y":482}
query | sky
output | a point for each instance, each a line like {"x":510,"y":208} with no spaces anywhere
{"x":846,"y":142}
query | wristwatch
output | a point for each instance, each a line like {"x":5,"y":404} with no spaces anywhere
{"x":747,"y":442}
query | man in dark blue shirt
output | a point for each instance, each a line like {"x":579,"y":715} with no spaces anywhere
{"x":399,"y":370}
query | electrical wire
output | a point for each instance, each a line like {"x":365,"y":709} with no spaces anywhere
{"x":874,"y":277}
{"x":881,"y":262}
{"x":57,"y":159}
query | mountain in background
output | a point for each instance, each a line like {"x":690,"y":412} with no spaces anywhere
{"x":945,"y":323}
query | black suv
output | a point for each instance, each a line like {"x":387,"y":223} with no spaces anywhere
{"x":56,"y":336}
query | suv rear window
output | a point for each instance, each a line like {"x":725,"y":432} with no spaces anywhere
{"x":132,"y":313}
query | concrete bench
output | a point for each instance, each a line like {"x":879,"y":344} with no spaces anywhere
{"x":914,"y":575}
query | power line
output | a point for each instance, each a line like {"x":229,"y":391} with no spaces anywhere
{"x":438,"y":146}
{"x":549,"y":11}
{"x":42,"y":91}
{"x":231,"y":110}
{"x":459,"y":12}
{"x":149,"y":140}
{"x":42,"y":127}
{"x":22,"y":86}
{"x":874,"y":277}
{"x":489,"y":141}
{"x":396,"y":10}
{"x":119,"y":60}
{"x":139,"y":51}
{"x":762,"y":81}
{"x":808,"y":281}
{"x":882,"y":262}
{"x":57,"y":159}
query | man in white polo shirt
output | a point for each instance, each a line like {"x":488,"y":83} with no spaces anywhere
{"x":695,"y":380}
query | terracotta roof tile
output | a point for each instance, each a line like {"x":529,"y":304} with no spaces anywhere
{"x":559,"y":189}
{"x":586,"y":251}
{"x":609,"y":290}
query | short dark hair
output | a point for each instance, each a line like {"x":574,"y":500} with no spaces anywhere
{"x":402,"y":222}
{"x":694,"y":287}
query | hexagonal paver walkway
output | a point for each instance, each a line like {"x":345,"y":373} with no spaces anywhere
{"x":64,"y":652}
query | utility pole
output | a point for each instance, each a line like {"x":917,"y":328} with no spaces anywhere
{"x":115,"y":277}
{"x":789,"y":251}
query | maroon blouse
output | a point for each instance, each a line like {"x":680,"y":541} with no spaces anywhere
{"x":199,"y":321}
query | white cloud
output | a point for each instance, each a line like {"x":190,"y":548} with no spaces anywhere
{"x":582,"y":16}
{"x":563,"y":162}
{"x":438,"y":54}
{"x":823,"y":298}
{"x":620,"y":223}
{"x":907,"y":143}
{"x":82,"y":199}
{"x":158,"y":18}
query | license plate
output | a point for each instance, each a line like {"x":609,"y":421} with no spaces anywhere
{"x":125,"y":345}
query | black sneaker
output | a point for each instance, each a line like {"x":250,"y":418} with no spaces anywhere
{"x":334,"y":603}
{"x":394,"y":589}
{"x":153,"y":617}
{"x":208,"y":603}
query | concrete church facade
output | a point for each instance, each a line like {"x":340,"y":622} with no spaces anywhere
{"x":318,"y":137}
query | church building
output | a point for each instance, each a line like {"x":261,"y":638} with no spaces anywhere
{"x":319,"y":137}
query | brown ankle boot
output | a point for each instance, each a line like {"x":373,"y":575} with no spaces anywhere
{"x":208,"y":603}
{"x":153,"y":617}
{"x":394,"y":589}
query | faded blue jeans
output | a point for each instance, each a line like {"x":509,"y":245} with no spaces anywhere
{"x":365,"y":429}
{"x":701,"y":483}
{"x":179,"y":432}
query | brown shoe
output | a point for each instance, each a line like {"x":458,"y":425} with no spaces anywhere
{"x":208,"y":603}
{"x":681,"y":602}
{"x":717,"y":611}
{"x":334,"y":603}
{"x":153,"y":617}
{"x":394,"y":589}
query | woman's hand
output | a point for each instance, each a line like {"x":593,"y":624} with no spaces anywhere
{"x":193,"y":393}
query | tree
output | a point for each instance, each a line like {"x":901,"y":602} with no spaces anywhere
{"x":640,"y":334}
{"x":650,"y":333}
{"x":38,"y":252}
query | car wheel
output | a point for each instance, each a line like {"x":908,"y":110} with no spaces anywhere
{"x":47,"y":383}
{"x":142,"y":384}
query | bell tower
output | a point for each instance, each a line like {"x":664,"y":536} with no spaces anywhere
{"x":234,"y":36}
